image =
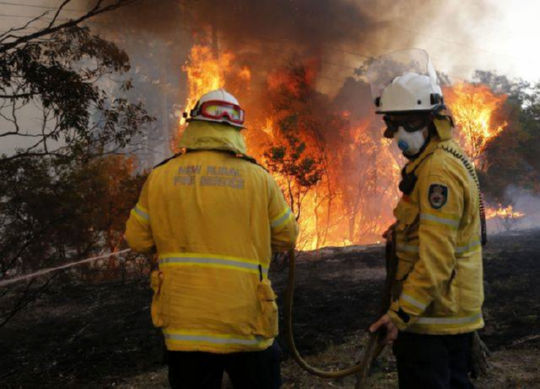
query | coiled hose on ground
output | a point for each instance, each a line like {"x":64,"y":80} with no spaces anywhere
{"x":373,"y":347}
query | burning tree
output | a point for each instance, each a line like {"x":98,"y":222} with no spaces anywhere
{"x":473,"y":109}
{"x":512,"y":156}
{"x":331,"y":162}
{"x":301,"y":167}
{"x":301,"y":172}
{"x":348,"y":160}
{"x":328,"y":153}
{"x":507,"y":137}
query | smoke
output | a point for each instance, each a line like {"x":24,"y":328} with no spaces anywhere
{"x":341,"y":34}
{"x":336,"y":37}
{"x":306,"y":23}
{"x":265,"y":35}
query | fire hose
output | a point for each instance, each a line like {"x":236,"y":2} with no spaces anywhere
{"x":57,"y":268}
{"x":374,"y":345}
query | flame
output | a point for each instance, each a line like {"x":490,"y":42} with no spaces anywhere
{"x":206,"y":72}
{"x":473,"y":109}
{"x":344,"y":207}
{"x":352,"y":200}
{"x":245,"y":73}
{"x":503,"y":213}
{"x":359,"y":169}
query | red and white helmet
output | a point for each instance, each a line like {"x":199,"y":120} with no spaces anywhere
{"x":218,"y":106}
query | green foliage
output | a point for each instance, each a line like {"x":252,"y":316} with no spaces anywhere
{"x":65,"y":77}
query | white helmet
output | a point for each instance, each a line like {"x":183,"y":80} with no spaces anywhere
{"x":218,"y":106}
{"x":410,"y":92}
{"x":404,"y":81}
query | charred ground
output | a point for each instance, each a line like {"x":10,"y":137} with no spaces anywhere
{"x":100,"y":335}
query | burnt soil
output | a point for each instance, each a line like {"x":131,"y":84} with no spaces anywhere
{"x":101,"y":335}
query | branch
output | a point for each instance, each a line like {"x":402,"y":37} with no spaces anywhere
{"x":26,"y":299}
{"x":28,"y":154}
{"x":17,"y":96}
{"x":53,"y":20}
{"x":26,"y":135}
{"x":96,"y":10}
{"x":8,"y":34}
{"x":43,"y":130}
{"x":14,"y":116}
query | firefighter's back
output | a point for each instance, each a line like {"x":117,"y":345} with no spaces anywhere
{"x":211,"y":218}
{"x":210,"y":202}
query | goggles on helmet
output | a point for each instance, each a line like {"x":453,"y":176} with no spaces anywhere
{"x":410,"y":123}
{"x":217,"y":109}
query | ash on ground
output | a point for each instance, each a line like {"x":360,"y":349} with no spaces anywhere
{"x":100,"y":335}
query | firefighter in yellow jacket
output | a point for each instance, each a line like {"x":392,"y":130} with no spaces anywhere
{"x":214,"y":217}
{"x":438,"y":290}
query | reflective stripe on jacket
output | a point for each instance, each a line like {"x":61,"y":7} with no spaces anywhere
{"x":214,"y":220}
{"x":438,"y":288}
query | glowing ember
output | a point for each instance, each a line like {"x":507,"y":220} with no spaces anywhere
{"x":473,"y":108}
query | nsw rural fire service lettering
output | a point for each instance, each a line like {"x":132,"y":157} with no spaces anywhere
{"x":215,"y":176}
{"x":222,"y":176}
{"x":186,"y":174}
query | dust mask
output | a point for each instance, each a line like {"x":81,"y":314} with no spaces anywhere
{"x":409,"y":142}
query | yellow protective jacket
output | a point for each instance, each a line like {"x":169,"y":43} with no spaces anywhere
{"x":439,"y":287}
{"x":213,"y":219}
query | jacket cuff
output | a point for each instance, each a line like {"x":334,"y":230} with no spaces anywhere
{"x":401,"y":319}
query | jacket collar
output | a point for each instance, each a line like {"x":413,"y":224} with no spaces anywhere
{"x":201,"y":135}
{"x":429,"y":149}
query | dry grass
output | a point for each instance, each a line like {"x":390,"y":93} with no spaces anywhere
{"x":515,"y":368}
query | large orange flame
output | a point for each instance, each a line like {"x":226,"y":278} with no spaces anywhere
{"x":473,"y":108}
{"x":343,"y":208}
{"x":206,"y":72}
{"x":352,"y":201}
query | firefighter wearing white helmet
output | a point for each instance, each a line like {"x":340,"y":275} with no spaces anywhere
{"x":218,"y":106}
{"x":410,"y":92}
{"x":438,"y":236}
{"x":411,"y":100}
{"x":214,"y":217}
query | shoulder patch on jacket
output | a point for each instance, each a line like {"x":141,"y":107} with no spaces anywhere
{"x":438,"y":195}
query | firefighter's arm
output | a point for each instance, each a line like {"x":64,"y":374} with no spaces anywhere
{"x":138,"y":232}
{"x":441,"y":207}
{"x":284,"y":228}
